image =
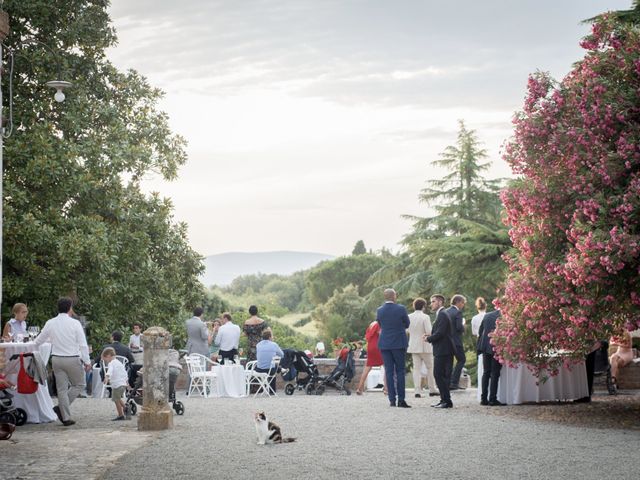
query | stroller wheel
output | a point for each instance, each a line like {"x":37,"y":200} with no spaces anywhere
{"x":7,"y":417}
{"x":320,"y":390}
{"x":179,"y":408}
{"x":21,"y":416}
{"x":133,"y":408}
{"x":289,"y":389}
{"x":311,"y":389}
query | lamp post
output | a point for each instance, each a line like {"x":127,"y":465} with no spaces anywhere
{"x":59,"y":85}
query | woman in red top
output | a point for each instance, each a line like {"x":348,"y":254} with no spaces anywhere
{"x":374,"y":358}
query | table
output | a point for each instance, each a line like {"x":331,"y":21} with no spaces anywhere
{"x":230,"y":381}
{"x":39,"y":406}
{"x":375,"y":377}
{"x":518,"y":385}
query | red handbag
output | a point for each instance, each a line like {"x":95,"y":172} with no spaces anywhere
{"x":25,"y":383}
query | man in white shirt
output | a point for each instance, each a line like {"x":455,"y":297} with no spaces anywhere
{"x":69,"y":353}
{"x":421,"y":351}
{"x":228,"y":338}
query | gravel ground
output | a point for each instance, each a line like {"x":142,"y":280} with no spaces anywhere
{"x":337,"y":437}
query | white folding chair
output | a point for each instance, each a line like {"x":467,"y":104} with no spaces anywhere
{"x":201,"y":379}
{"x":275,"y":364}
{"x":257,"y":379}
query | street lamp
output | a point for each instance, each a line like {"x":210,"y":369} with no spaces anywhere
{"x":59,"y":85}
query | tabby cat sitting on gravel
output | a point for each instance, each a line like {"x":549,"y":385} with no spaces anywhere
{"x":269,"y":432}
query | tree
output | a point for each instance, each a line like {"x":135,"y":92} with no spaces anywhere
{"x":343,"y":315}
{"x":75,"y":220}
{"x":359,"y":248}
{"x":460,"y":248}
{"x":574,"y":213}
{"x":332,"y":275}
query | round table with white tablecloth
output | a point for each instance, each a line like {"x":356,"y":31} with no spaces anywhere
{"x":39,"y":406}
{"x":230,"y":381}
{"x":519,"y":385}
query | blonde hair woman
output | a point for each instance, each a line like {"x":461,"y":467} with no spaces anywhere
{"x":18,"y":323}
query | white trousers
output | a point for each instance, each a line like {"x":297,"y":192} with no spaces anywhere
{"x":418,"y":360}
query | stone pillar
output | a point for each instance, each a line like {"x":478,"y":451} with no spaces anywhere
{"x":155,"y":413}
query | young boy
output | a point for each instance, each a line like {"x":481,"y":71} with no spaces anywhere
{"x":116,"y":377}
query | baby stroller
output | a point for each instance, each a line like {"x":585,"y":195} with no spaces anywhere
{"x":341,"y":375}
{"x":300,"y":372}
{"x":9,"y":413}
{"x":603,"y":367}
{"x":174,"y":371}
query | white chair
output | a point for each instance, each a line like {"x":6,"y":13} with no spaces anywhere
{"x":201,"y":379}
{"x":257,"y":379}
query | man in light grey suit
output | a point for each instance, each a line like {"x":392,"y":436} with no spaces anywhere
{"x":421,"y":351}
{"x":197,"y":334}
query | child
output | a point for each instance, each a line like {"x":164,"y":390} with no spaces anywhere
{"x":116,"y":377}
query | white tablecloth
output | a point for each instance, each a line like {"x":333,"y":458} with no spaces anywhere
{"x":39,"y":406}
{"x":96,"y":383}
{"x":375,"y":377}
{"x":231,"y":381}
{"x":518,"y":385}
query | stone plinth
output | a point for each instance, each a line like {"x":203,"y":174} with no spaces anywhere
{"x":155,"y":413}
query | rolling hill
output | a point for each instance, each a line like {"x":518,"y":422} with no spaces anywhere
{"x":222,"y":268}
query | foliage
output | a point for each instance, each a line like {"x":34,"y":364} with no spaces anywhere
{"x":460,"y":248}
{"x":343,"y":315}
{"x":277,"y":292}
{"x":359,"y":248}
{"x":575,"y":213}
{"x":75,"y":220}
{"x":332,"y":275}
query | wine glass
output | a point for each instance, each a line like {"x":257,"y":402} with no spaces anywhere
{"x":11,"y":334}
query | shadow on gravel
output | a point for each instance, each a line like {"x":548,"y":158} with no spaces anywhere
{"x":620,"y":411}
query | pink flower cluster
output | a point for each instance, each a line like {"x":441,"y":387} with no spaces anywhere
{"x":574,"y":211}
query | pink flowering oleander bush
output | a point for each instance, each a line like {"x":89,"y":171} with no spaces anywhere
{"x":574,"y":211}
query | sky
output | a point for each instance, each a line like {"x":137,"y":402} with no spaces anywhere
{"x":312,"y":124}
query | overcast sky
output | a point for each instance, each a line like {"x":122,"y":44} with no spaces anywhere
{"x":312,"y":124}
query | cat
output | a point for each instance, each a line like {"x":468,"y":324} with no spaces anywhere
{"x":269,"y":432}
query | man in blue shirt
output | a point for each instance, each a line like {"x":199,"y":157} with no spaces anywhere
{"x":265,"y":351}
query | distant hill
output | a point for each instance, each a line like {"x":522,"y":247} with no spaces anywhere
{"x":222,"y":268}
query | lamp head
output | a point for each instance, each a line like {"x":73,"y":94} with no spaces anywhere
{"x":59,"y":85}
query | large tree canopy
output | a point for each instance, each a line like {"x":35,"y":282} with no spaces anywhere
{"x":75,"y":219}
{"x":458,"y":249}
{"x":575,"y":212}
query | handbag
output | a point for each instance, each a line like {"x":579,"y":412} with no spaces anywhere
{"x":25,"y":384}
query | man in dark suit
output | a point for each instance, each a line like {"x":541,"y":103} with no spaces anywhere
{"x":455,"y":314}
{"x":491,"y":367}
{"x":443,"y":348}
{"x":394,"y":321}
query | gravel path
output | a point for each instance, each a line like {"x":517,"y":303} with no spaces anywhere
{"x":337,"y":437}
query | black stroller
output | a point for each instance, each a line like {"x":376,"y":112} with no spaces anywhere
{"x":300,"y":372}
{"x":341,"y":375}
{"x":9,"y":413}
{"x":603,"y":367}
